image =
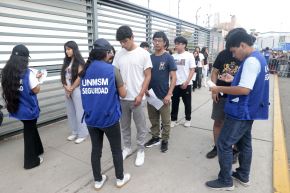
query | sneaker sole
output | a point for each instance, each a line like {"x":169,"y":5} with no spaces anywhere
{"x":224,"y":189}
{"x":123,"y":184}
{"x":164,"y":151}
{"x":148,"y":146}
{"x":97,"y":189}
{"x":247,"y":184}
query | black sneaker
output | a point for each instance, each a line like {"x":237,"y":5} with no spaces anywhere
{"x":238,"y":178}
{"x":217,"y":185}
{"x":153,"y":141}
{"x":235,"y":156}
{"x":212,"y":153}
{"x":164,"y":146}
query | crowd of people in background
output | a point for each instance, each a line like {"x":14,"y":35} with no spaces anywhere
{"x":278,"y":61}
{"x":109,"y":90}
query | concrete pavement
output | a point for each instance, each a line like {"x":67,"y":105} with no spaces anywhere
{"x":183,"y":169}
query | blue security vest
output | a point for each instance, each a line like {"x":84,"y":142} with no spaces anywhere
{"x":28,"y":108}
{"x":255,"y":105}
{"x":99,"y":94}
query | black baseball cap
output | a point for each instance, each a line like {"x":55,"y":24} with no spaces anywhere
{"x":102,"y":44}
{"x":20,"y":50}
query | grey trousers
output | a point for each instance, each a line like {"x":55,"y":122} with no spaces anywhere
{"x":154,"y":117}
{"x":128,"y":109}
{"x":75,"y":113}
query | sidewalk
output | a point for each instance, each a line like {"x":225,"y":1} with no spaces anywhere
{"x":183,"y":169}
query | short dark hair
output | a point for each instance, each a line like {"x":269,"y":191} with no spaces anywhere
{"x":233,"y":31}
{"x":161,"y":34}
{"x":180,"y":40}
{"x":123,"y":32}
{"x":236,"y":38}
{"x":144,"y":45}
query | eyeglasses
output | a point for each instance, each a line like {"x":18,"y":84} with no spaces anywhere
{"x":157,"y":41}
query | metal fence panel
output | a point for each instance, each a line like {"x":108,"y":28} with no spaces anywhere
{"x":44,"y":27}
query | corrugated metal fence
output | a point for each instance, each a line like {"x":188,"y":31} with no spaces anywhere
{"x":44,"y":26}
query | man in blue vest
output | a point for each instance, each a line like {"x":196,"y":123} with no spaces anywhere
{"x":248,"y":100}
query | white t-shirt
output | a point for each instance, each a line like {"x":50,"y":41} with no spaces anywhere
{"x":132,"y":65}
{"x":251,"y":70}
{"x":201,"y":58}
{"x":184,"y":62}
{"x":33,"y":81}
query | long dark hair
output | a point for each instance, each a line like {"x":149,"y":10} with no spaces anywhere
{"x":205,"y":54}
{"x":95,"y":54}
{"x":12,"y":72}
{"x":77,"y":60}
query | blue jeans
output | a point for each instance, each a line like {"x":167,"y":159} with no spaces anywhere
{"x":235,"y":132}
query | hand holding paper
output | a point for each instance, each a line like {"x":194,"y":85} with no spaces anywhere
{"x":211,"y":85}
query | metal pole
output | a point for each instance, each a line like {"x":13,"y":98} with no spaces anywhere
{"x":196,"y":16}
{"x":178,"y":8}
{"x":95,"y":19}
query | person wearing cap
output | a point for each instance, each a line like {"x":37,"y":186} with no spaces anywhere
{"x":135,"y":67}
{"x":101,"y":86}
{"x":19,"y":94}
{"x":72,"y":65}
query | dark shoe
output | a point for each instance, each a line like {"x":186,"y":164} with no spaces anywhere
{"x":212,"y":153}
{"x":238,"y":178}
{"x":164,"y":146}
{"x":153,"y":141}
{"x":217,"y":185}
{"x":235,"y":156}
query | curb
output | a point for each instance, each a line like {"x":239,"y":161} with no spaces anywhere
{"x":280,"y":161}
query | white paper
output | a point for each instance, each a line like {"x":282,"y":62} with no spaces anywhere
{"x":153,"y":100}
{"x":43,"y":77}
{"x":44,"y":74}
{"x":210,"y":84}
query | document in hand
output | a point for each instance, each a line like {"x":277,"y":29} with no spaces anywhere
{"x":211,"y":84}
{"x":153,"y":100}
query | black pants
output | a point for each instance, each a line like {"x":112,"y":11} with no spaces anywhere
{"x":114,"y":136}
{"x":198,"y":76}
{"x":185,"y":94}
{"x":32,"y":144}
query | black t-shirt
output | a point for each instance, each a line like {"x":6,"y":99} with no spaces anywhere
{"x":226,"y":63}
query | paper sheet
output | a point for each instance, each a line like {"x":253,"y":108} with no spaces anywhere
{"x":210,"y":84}
{"x":44,"y":74}
{"x":153,"y":100}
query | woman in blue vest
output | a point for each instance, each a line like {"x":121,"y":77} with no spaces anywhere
{"x":101,"y":86}
{"x":20,"y":86}
{"x":72,"y":65}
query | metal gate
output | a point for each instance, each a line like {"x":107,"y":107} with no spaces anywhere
{"x":44,"y":26}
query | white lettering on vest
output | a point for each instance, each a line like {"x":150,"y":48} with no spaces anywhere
{"x":95,"y":82}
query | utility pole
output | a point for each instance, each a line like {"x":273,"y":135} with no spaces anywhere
{"x":178,"y":8}
{"x":148,"y":3}
{"x":196,"y":15}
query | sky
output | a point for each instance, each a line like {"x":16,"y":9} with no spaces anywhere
{"x":263,"y":16}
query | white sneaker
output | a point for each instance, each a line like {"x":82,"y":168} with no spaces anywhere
{"x":173,"y":124}
{"x":126,"y":152}
{"x":187,"y":123}
{"x":121,"y":183}
{"x":71,"y":137}
{"x":140,"y":158}
{"x":40,"y":159}
{"x":99,"y":185}
{"x":80,"y":140}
